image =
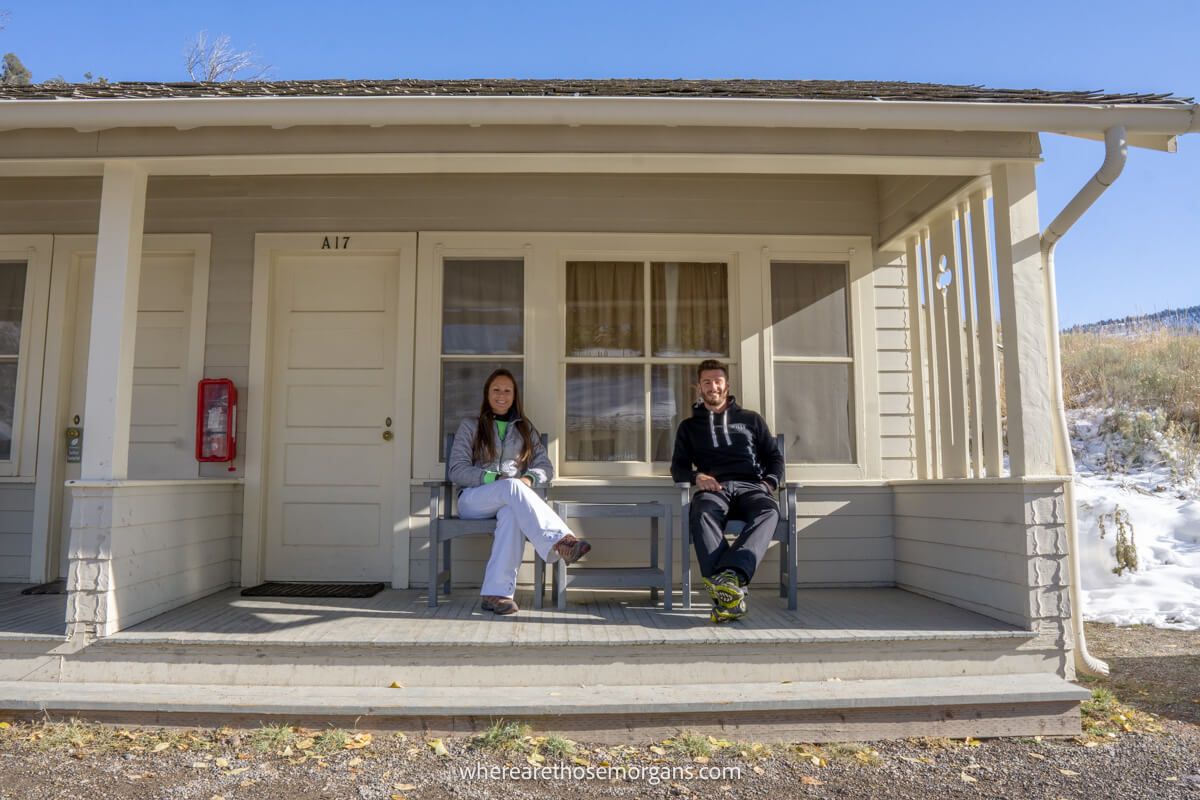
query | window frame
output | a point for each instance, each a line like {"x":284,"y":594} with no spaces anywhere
{"x":431,"y":258}
{"x":35,"y":251}
{"x":862,"y":358}
{"x":647,"y":256}
{"x":748,"y":258}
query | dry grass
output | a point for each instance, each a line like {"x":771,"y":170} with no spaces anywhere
{"x":1159,"y":370}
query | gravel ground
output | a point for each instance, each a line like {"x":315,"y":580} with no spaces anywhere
{"x":1128,"y":754}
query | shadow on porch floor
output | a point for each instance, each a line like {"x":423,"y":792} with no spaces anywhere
{"x":33,"y":616}
{"x":401,"y":617}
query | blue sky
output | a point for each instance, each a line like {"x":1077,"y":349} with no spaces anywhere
{"x":1134,"y":252}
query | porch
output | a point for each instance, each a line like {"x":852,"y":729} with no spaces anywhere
{"x":610,"y":664}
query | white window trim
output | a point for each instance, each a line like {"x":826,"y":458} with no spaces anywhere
{"x":432,"y":252}
{"x":856,"y":253}
{"x":36,"y":252}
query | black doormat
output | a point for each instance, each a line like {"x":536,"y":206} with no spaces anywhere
{"x":313,"y":590}
{"x":53,"y":587}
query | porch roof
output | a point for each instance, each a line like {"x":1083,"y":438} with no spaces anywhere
{"x":1151,"y":119}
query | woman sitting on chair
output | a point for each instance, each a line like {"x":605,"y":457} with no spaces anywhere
{"x":498,"y":458}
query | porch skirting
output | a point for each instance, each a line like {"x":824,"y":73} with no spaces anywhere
{"x":139,"y":548}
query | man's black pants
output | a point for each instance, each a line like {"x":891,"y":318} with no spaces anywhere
{"x":739,"y":500}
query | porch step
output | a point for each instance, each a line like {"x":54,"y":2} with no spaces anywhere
{"x":992,"y":705}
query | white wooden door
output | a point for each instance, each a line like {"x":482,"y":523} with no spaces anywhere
{"x":333,"y":414}
{"x":165,"y":367}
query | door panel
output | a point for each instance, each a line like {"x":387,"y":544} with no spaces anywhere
{"x":331,"y":472}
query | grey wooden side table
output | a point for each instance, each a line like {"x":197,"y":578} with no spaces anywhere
{"x":655,"y":576}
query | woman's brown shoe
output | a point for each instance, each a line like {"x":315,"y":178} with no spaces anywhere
{"x":570,"y":549}
{"x":502,"y":606}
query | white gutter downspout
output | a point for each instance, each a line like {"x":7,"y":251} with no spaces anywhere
{"x":1114,"y":162}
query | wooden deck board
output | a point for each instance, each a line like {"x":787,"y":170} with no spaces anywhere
{"x":400,"y":617}
{"x":31,"y":616}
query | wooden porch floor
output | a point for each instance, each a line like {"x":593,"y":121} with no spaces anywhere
{"x":401,"y":617}
{"x":31,"y":616}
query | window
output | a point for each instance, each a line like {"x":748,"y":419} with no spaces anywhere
{"x":483,"y":327}
{"x":635,"y":331}
{"x":12,"y":309}
{"x":813,"y":366}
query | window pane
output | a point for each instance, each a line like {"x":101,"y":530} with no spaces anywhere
{"x":690,"y":314}
{"x":808,"y":309}
{"x":12,"y":306}
{"x":812,"y":410}
{"x":8,"y":397}
{"x":672,"y":393}
{"x":606,"y":413}
{"x":462,"y":391}
{"x":604,"y":309}
{"x":483,"y":307}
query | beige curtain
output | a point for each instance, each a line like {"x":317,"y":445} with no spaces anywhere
{"x":606,"y":412}
{"x":483,"y":306}
{"x":808,"y":309}
{"x":690,"y":315}
{"x":12,"y":308}
{"x":604,"y":309}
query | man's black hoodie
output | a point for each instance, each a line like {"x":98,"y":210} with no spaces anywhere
{"x":730,"y":445}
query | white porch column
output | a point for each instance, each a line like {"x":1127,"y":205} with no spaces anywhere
{"x":1024,"y":317}
{"x":114,"y":322}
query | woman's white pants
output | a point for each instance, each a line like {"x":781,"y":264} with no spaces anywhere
{"x":520,"y":514}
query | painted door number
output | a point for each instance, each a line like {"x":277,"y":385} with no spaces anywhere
{"x":336,"y":243}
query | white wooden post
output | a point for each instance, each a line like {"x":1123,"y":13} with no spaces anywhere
{"x":916,"y":348}
{"x":989,"y":372}
{"x":1024,"y":320}
{"x":114,"y":323}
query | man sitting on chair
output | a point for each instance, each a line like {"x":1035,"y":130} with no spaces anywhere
{"x":730,"y":456}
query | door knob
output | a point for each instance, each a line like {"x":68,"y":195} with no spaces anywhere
{"x":387,"y":436}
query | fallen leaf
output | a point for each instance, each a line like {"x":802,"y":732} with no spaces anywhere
{"x":1091,"y":744}
{"x":222,"y":762}
{"x":809,"y":780}
{"x":701,"y":759}
{"x":237,"y":771}
{"x":660,"y":751}
{"x":358,"y":741}
{"x":287,"y":752}
{"x":535,"y":759}
{"x":969,"y":742}
{"x":395,"y":685}
{"x":580,"y":762}
{"x":158,"y":748}
{"x":217,"y":797}
{"x":4,"y":726}
{"x":759,"y":770}
{"x":399,"y":797}
{"x":438,"y":747}
{"x":354,"y":762}
{"x":404,"y":787}
{"x":1038,"y":756}
{"x":199,"y":765}
{"x":555,"y":694}
{"x":1069,"y":773}
{"x":967,"y":778}
{"x":305,"y":744}
{"x":720,"y":744}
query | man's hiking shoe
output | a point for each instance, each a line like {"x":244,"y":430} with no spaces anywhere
{"x":719,"y":615}
{"x":724,"y":590}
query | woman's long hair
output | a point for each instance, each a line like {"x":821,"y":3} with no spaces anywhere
{"x":482,"y":449}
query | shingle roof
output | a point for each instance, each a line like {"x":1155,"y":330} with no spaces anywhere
{"x":762,"y":89}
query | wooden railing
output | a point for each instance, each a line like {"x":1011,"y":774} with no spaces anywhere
{"x":954,"y":336}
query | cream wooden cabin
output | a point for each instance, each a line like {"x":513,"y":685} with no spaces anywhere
{"x":357,"y":255}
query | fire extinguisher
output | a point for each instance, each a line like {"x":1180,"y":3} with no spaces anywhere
{"x":216,"y":420}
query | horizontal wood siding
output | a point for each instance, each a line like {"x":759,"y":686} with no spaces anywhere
{"x":16,"y":531}
{"x":996,"y":548}
{"x":895,"y":386}
{"x":140,"y":549}
{"x":844,"y":537}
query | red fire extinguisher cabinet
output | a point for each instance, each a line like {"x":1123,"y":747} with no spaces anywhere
{"x":216,"y":420}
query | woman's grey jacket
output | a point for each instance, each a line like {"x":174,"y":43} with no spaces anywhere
{"x":464,"y":472}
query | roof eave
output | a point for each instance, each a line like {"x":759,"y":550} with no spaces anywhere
{"x":1140,"y":120}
